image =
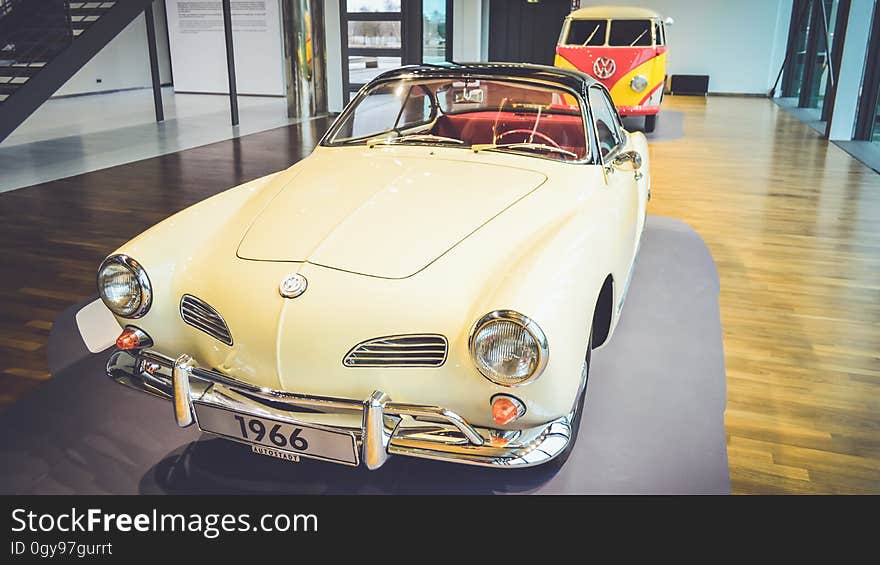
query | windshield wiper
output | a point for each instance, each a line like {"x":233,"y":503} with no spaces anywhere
{"x":418,"y":137}
{"x":636,"y":40}
{"x":591,"y":35}
{"x":541,"y":147}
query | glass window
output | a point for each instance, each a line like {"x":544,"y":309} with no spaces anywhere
{"x":606,"y":121}
{"x":586,"y":32}
{"x":630,"y":33}
{"x":376,"y":35}
{"x":876,"y":136}
{"x":364,"y":68}
{"x":498,"y":115}
{"x":433,"y":31}
{"x":373,"y":6}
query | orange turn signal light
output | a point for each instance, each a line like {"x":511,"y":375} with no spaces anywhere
{"x":133,"y":338}
{"x":506,"y":409}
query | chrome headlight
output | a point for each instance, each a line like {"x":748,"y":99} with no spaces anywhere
{"x":638,"y":83}
{"x":508,"y":348}
{"x":124,"y":286}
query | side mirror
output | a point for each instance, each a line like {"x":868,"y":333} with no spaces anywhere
{"x":669,"y":21}
{"x":628,"y":161}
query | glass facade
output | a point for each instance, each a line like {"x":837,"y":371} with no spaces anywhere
{"x":374,"y":39}
{"x":384,"y":34}
{"x":434,"y":31}
{"x":810,"y":70}
{"x":875,"y":137}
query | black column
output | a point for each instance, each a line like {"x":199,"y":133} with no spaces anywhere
{"x":411,"y":32}
{"x":835,"y":59}
{"x":866,"y":118}
{"x":799,"y":12}
{"x":230,"y":62}
{"x":449,"y":29}
{"x":154,"y":63}
{"x":813,"y":39}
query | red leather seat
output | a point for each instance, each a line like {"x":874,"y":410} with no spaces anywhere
{"x":477,"y":127}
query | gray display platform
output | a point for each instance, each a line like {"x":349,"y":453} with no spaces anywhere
{"x":653,"y":421}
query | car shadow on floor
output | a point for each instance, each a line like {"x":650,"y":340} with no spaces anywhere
{"x":214,"y":466}
{"x":670,"y":126}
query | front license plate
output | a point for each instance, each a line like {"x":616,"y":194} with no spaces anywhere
{"x":293,"y":438}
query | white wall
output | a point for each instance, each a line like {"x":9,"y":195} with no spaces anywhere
{"x":198,"y":47}
{"x":740,"y":44}
{"x":467,"y":30}
{"x":333,"y":39}
{"x":124,"y":62}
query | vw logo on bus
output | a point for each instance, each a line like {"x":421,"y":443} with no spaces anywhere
{"x":604,"y":67}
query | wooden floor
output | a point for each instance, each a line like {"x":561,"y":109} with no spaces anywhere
{"x":792,"y":221}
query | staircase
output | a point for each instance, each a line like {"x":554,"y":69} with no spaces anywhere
{"x":45,"y":42}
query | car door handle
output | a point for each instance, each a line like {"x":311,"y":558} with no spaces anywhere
{"x":638,"y":175}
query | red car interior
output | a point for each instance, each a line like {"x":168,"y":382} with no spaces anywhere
{"x":477,"y":127}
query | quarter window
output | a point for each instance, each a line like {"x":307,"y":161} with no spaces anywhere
{"x":658,"y":33}
{"x":606,"y":122}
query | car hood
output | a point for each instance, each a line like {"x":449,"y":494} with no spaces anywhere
{"x":381,"y":212}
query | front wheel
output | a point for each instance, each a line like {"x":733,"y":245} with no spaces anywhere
{"x":650,"y":123}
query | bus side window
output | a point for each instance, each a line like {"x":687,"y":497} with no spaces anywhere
{"x":658,"y":34}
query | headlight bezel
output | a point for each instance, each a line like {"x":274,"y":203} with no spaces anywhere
{"x":529,"y":325}
{"x":146,"y":289}
{"x":642,"y":79}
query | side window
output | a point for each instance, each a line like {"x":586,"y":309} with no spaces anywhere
{"x":606,"y":121}
{"x":658,"y":33}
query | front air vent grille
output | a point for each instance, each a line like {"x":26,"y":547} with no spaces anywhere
{"x":415,"y":350}
{"x":203,"y":317}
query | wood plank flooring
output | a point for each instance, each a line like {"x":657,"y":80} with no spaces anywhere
{"x":793,"y":223}
{"x":791,"y":220}
{"x":53,"y":235}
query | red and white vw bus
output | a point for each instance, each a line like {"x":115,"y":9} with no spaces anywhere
{"x":625,"y":49}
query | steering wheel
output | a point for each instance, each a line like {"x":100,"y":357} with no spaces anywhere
{"x":529,"y":133}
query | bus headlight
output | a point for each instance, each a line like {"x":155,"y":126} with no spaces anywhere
{"x":638,"y":83}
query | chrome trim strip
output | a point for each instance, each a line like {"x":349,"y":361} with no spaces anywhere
{"x":200,"y":315}
{"x":404,"y":350}
{"x":382,"y":432}
{"x":378,"y":430}
{"x":180,"y":374}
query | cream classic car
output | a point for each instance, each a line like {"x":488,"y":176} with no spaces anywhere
{"x":429,"y":282}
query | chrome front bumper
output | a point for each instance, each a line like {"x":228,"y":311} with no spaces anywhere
{"x":384,"y":428}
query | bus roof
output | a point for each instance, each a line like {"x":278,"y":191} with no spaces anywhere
{"x":613,"y":12}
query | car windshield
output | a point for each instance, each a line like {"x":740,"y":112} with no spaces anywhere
{"x":494,"y":115}
{"x":630,"y":33}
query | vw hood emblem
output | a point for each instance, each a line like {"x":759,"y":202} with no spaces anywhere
{"x":604,"y":67}
{"x":293,"y":285}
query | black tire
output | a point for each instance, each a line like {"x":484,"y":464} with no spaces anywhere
{"x":650,"y":123}
{"x":560,"y":459}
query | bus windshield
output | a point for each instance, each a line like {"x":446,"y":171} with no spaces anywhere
{"x":630,"y":33}
{"x":586,"y":32}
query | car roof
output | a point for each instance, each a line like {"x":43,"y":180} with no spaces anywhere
{"x":613,"y":12}
{"x":574,"y":80}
